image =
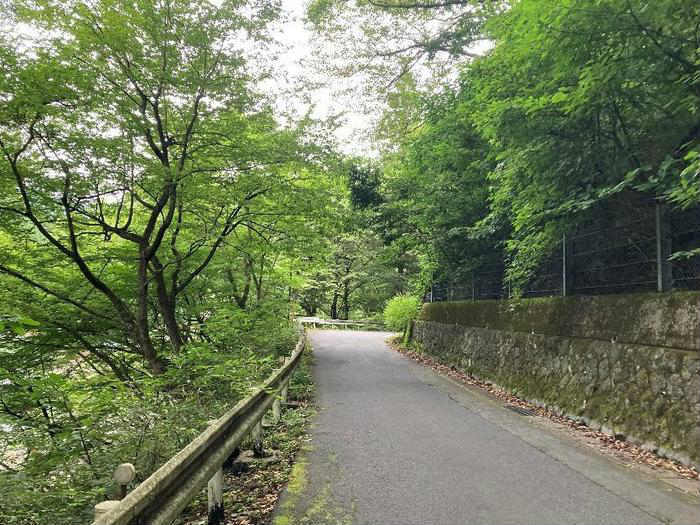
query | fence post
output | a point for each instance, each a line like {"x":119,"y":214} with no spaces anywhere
{"x":473,"y":287}
{"x":215,"y":498}
{"x":664,"y":276}
{"x":564,"y":267}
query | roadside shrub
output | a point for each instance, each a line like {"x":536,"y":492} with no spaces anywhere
{"x":400,"y":310}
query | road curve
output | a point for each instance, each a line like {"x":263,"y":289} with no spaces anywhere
{"x":395,"y":444}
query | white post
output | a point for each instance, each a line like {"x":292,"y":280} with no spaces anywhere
{"x":285,"y":388}
{"x":123,"y":475}
{"x":215,"y":498}
{"x":564,"y":266}
{"x":104,"y":507}
{"x":276,"y":410}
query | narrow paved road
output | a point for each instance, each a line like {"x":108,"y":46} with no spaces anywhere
{"x":396,"y":444}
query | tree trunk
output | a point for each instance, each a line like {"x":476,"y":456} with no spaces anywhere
{"x":346,"y":301}
{"x":258,"y":279}
{"x":240,"y":298}
{"x":140,"y":331}
{"x":143,"y":339}
{"x":259,"y":290}
{"x":166,"y":308}
{"x":334,"y":305}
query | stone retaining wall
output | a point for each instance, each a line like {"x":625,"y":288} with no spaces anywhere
{"x":638,"y":376}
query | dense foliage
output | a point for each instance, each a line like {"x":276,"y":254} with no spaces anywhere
{"x":574,"y":107}
{"x":154,"y":224}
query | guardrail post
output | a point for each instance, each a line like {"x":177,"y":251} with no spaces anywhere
{"x":103,"y":507}
{"x":258,"y":450}
{"x":276,"y":410}
{"x":215,"y":498}
{"x":123,"y":475}
{"x":285,"y":388}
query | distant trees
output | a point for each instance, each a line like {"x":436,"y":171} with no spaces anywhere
{"x":364,"y":187}
{"x":355,"y":270}
{"x":355,"y":275}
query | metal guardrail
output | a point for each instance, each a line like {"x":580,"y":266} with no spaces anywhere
{"x":313,"y":322}
{"x":166,"y":492}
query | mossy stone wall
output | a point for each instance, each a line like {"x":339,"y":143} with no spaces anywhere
{"x":627,"y":364}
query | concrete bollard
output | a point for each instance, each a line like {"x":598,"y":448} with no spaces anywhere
{"x":215,"y":499}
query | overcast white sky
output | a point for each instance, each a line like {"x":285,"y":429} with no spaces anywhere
{"x":300,"y":78}
{"x":299,"y":84}
{"x":345,"y":97}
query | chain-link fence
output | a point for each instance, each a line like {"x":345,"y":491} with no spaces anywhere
{"x":639,"y":246}
{"x":685,"y":237}
{"x":486,"y":284}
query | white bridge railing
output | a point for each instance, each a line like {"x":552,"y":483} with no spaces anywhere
{"x":163,"y":496}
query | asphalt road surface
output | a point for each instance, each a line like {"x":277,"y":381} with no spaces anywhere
{"x":396,"y":444}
